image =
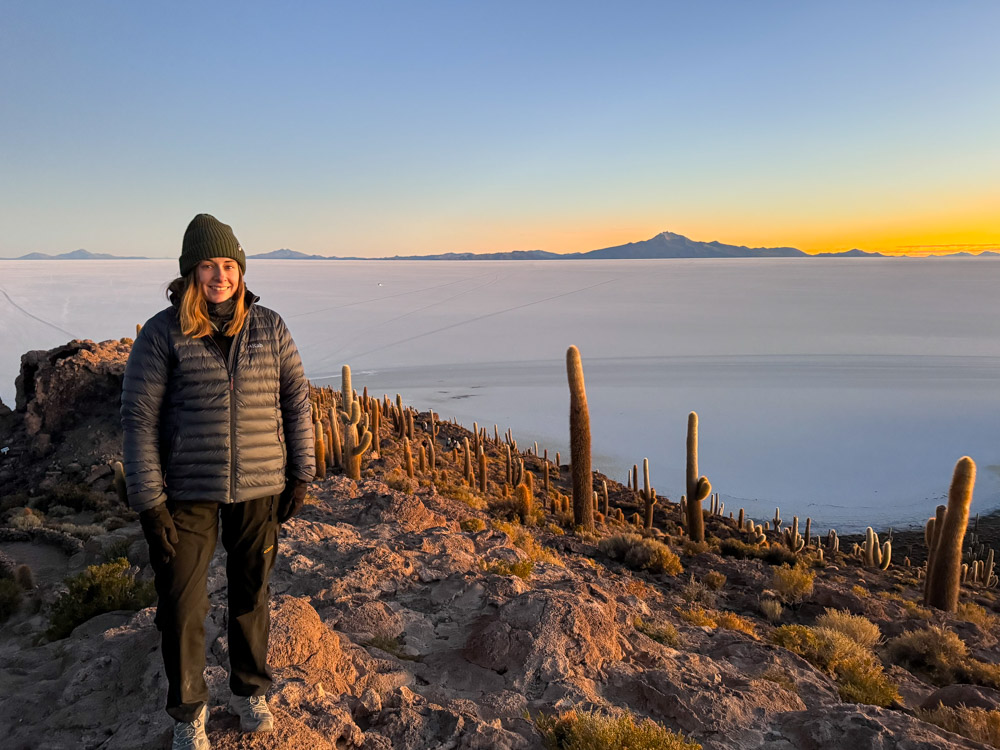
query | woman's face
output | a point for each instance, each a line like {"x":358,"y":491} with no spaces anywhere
{"x":218,"y":278}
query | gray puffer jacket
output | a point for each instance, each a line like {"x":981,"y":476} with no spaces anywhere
{"x":198,"y":428}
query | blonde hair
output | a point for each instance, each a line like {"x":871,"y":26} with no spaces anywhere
{"x":186,"y":293}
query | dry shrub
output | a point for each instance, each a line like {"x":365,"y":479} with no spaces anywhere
{"x":639,"y":553}
{"x":579,"y":730}
{"x":698,"y":616}
{"x":935,"y":651}
{"x":858,"y":672}
{"x":663,"y":632}
{"x":733,"y":621}
{"x":472,"y":525}
{"x":525,"y":541}
{"x":462,"y":493}
{"x":780,"y":677}
{"x":554,"y":529}
{"x":771,"y":609}
{"x":917,"y":612}
{"x":977,"y":615}
{"x":860,"y":591}
{"x":695,"y":591}
{"x":715,"y":580}
{"x":637,"y":587}
{"x":692,"y":549}
{"x":859,"y":628}
{"x":793,"y":584}
{"x":397,"y":480}
{"x":521,"y":569}
{"x":977,"y":724}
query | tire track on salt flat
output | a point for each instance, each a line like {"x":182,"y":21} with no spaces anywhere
{"x":474,"y":320}
{"x":35,"y":317}
{"x":387,"y":296}
{"x":406,"y":314}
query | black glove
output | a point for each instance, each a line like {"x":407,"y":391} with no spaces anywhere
{"x":291,"y":499}
{"x":160,"y":532}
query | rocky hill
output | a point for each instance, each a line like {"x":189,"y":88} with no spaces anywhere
{"x":425,"y":612}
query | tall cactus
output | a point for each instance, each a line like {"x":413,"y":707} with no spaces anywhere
{"x":793,"y":540}
{"x":944,"y":573}
{"x":698,"y":487}
{"x":336,"y":444}
{"x":648,"y":495}
{"x":320,"y":448}
{"x":579,"y":442}
{"x":482,"y":470}
{"x":357,"y":436}
{"x":873,"y":554}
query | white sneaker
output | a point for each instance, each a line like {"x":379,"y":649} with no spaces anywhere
{"x":254,"y":714}
{"x":191,"y":735}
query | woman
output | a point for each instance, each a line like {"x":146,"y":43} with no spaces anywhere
{"x":217,"y":423}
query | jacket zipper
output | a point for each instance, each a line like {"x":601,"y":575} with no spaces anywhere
{"x":231,"y":371}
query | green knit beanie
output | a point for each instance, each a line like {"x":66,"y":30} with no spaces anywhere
{"x":207,"y":237}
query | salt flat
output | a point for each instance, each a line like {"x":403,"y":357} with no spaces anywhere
{"x":837,"y":388}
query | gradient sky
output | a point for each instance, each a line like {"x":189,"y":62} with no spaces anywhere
{"x":377,"y":128}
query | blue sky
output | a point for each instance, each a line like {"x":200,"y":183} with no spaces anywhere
{"x":381,"y":128}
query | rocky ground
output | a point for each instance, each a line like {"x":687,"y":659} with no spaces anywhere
{"x":396,"y":621}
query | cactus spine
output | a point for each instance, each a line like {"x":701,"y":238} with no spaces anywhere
{"x":944,"y":572}
{"x":698,"y":488}
{"x":579,"y":441}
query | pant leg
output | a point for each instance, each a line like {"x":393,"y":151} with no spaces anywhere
{"x":250,"y":536}
{"x":181,"y":587}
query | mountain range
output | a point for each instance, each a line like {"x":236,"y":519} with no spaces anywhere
{"x":663,"y":245}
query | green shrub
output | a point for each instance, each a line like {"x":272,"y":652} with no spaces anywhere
{"x":10,"y":598}
{"x":99,"y":589}
{"x":573,"y":730}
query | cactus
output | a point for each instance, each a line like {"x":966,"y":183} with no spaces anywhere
{"x":579,"y":441}
{"x":466,"y":452}
{"x":336,"y":443}
{"x":833,"y":541}
{"x":791,"y":536}
{"x":119,"y":482}
{"x":635,"y":477}
{"x":944,"y":571}
{"x":604,"y":497}
{"x":421,"y":458}
{"x":648,"y":495}
{"x":525,"y":502}
{"x":636,"y":520}
{"x":808,"y":532}
{"x":408,"y":458}
{"x":819,"y":554}
{"x":698,"y":487}
{"x":320,"y":450}
{"x":482,"y":470}
{"x":874,"y":555}
{"x":545,"y":479}
{"x":741,"y":519}
{"x":777,"y":519}
{"x":357,"y":439}
{"x":376,"y":414}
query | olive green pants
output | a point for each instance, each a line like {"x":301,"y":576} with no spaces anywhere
{"x":249,"y":535}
